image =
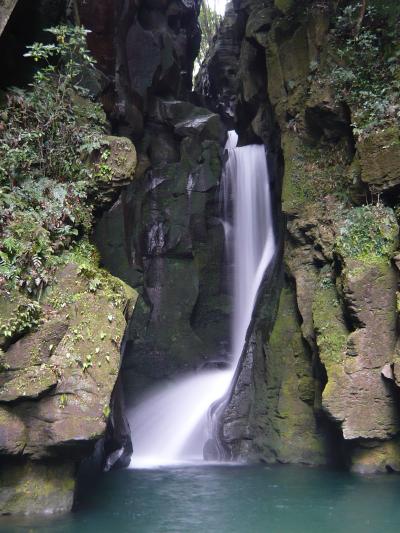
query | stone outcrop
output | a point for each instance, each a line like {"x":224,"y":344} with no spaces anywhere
{"x":379,"y":158}
{"x":56,"y":386}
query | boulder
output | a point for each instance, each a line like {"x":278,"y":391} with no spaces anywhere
{"x":56,"y":392}
{"x":379,"y":154}
{"x":115,"y":166}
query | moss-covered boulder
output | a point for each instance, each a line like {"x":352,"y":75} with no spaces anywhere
{"x":114,"y":167}
{"x":379,"y":154}
{"x":56,"y":389}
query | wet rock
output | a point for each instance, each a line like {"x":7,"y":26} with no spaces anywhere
{"x":210,"y":451}
{"x":112,"y":242}
{"x":189,"y":120}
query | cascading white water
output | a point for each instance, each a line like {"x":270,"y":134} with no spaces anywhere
{"x":170,"y":425}
{"x":251,"y":240}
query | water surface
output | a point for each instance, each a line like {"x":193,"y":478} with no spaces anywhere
{"x":230,"y":499}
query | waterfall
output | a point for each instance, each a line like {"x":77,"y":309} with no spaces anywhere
{"x":170,"y":425}
{"x":249,"y":234}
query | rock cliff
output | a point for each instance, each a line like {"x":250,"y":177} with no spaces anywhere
{"x":322,"y":386}
{"x":319,"y":376}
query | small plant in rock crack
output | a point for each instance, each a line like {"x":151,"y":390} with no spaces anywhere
{"x":88,"y":363}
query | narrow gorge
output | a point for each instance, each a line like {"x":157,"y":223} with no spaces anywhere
{"x":199,"y":264}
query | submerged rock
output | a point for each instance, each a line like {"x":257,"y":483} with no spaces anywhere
{"x":29,"y":487}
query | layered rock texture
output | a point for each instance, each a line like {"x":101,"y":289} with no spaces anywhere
{"x":321,"y":386}
{"x":56,"y":383}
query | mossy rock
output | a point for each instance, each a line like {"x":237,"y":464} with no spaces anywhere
{"x":312,"y":174}
{"x":369,"y":234}
{"x":69,"y":394}
{"x":36,"y":347}
{"x":32,"y":487}
{"x":292,"y":434}
{"x":379,"y":155}
{"x":29,"y":383}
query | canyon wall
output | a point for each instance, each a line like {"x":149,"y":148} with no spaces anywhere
{"x":154,"y":300}
{"x":322,"y":386}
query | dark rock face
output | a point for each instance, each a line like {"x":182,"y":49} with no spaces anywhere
{"x":163,"y":234}
{"x":179,"y":245}
{"x":145,"y":48}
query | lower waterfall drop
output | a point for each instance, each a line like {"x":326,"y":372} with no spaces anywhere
{"x":171,"y":424}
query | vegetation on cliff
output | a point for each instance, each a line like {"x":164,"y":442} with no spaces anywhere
{"x":209,"y":21}
{"x":48,"y":187}
{"x":366,"y":62}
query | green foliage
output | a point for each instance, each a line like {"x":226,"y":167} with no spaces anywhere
{"x":46,"y":137}
{"x":209,"y":21}
{"x":369,"y":233}
{"x":86,"y":257}
{"x":24,"y":319}
{"x":367,"y":69}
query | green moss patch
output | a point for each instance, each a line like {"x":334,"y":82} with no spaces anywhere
{"x":369,"y":233}
{"x":312,"y":173}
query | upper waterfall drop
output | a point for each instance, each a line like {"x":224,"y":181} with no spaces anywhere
{"x":171,"y":424}
{"x":250,"y":241}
